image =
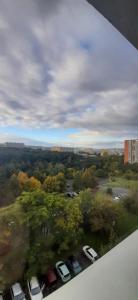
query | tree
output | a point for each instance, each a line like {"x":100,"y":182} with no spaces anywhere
{"x":62,"y":219}
{"x":85,"y":199}
{"x":23,"y":179}
{"x":104,"y":214}
{"x":33,"y":184}
{"x":100,"y":173}
{"x":36,"y":212}
{"x":77,"y":182}
{"x":14,"y":185}
{"x":109,"y":191}
{"x":51,"y":184}
{"x":131,"y":202}
{"x":61,"y":181}
{"x":88,"y":178}
{"x":55,"y":183}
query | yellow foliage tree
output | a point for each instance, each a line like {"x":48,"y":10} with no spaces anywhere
{"x":23,"y":179}
{"x":33,"y":184}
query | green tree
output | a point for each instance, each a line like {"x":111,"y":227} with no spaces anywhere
{"x":131,"y":202}
{"x":77,"y":182}
{"x":14,"y":185}
{"x":61,"y":218}
{"x":60,"y":178}
{"x":88,"y":178}
{"x":109,"y":191}
{"x":85,"y":198}
{"x":104,"y":214}
{"x":36,"y":212}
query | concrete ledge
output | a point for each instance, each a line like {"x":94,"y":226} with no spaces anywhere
{"x":113,"y":277}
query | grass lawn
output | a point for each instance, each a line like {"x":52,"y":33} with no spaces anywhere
{"x":122,"y":182}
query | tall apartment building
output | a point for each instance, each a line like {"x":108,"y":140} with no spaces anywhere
{"x":131,"y":151}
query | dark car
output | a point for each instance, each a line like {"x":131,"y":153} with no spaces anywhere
{"x":74,"y":265}
{"x":51,"y":277}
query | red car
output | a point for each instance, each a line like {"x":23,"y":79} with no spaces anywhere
{"x":51,"y":277}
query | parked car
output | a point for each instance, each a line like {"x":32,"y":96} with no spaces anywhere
{"x":1,"y":295}
{"x":117,"y":198}
{"x":63,"y":271}
{"x":17,"y":292}
{"x":71,"y":194}
{"x":35,"y":291}
{"x":51,"y":278}
{"x":73,"y":264}
{"x":90,"y":253}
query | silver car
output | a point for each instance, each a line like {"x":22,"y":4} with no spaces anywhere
{"x":90,"y":253}
{"x":17,"y":292}
{"x":63,"y":271}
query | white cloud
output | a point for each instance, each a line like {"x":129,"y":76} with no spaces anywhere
{"x":63,"y":66}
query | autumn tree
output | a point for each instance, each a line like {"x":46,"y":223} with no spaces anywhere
{"x":55,"y":183}
{"x":85,"y":179}
{"x":88,"y":178}
{"x":22,"y":179}
{"x":33,"y":184}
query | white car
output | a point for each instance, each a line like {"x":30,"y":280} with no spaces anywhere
{"x":90,"y":253}
{"x":117,"y":198}
{"x":17,"y":292}
{"x":34,"y":289}
{"x":1,"y":295}
{"x":63,"y":271}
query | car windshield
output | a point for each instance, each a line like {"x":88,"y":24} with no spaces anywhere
{"x":19,"y":297}
{"x":35,"y":291}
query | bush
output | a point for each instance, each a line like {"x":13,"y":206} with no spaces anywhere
{"x":109,"y":191}
{"x":131,"y":202}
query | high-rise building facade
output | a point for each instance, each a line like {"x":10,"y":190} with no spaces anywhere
{"x":131,"y":151}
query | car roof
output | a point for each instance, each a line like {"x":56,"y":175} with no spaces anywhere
{"x":16,"y":289}
{"x":64,"y":269}
{"x":34,"y":282}
{"x":51,"y":276}
{"x":92,"y":252}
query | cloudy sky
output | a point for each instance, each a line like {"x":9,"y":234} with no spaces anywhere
{"x":67,"y":77}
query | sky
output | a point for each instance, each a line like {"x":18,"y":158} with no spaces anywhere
{"x":67,"y":76}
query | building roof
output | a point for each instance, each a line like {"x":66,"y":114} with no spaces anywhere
{"x":112,"y":277}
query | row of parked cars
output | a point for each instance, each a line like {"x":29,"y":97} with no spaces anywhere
{"x":63,"y":269}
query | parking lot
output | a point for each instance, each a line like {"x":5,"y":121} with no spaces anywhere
{"x":121,"y":192}
{"x":117,"y":192}
{"x":84,"y":262}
